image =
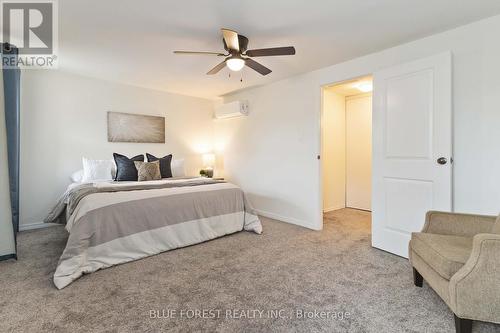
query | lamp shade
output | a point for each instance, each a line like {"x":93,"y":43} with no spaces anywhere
{"x":208,"y":160}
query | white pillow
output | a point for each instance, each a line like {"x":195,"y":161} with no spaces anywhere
{"x":77,"y":176}
{"x":97,"y":170}
{"x":177,"y":167}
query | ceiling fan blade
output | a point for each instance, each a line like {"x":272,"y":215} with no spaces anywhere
{"x":257,"y":67}
{"x":217,"y":68}
{"x":200,"y":52}
{"x":274,"y":51}
{"x":231,"y":39}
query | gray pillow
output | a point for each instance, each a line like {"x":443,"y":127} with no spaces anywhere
{"x":165,"y":164}
{"x":148,"y":170}
{"x":125,"y":169}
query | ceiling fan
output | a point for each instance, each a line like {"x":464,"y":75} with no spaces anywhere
{"x":238,"y":56}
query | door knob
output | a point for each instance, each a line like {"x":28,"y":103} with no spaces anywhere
{"x":442,"y":160}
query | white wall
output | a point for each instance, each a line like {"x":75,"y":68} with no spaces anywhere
{"x":272,"y":154}
{"x":334,"y":150}
{"x":358,"y":124}
{"x":6,"y":236}
{"x":63,"y":117}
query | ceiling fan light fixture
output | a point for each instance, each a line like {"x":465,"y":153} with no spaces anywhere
{"x":238,"y":55}
{"x":235,"y":64}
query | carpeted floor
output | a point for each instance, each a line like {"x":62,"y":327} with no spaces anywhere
{"x":286,"y":270}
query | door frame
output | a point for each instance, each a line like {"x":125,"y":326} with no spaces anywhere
{"x":320,"y":166}
{"x":370,"y":72}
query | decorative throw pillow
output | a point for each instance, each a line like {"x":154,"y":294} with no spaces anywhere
{"x":125,"y":167}
{"x":165,"y":161}
{"x":148,"y":170}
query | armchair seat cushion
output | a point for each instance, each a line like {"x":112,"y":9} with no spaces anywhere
{"x":445,"y":254}
{"x":496,"y":226}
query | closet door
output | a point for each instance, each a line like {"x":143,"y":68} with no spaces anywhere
{"x":359,"y":151}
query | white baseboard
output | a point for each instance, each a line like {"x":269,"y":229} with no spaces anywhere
{"x":33,"y":226}
{"x":330,"y":209}
{"x":286,"y":219}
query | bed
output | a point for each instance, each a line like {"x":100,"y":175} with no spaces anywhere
{"x":111,"y":223}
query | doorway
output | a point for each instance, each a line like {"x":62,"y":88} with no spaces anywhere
{"x":411,"y":162}
{"x":347,"y":145}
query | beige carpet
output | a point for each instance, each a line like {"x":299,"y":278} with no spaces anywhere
{"x":288,"y":268}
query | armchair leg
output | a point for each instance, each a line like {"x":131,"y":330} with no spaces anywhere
{"x":463,"y":325}
{"x":417,"y":278}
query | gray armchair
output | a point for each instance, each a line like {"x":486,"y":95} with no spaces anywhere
{"x":458,"y":255}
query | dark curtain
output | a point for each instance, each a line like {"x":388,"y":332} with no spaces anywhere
{"x":11,"y":86}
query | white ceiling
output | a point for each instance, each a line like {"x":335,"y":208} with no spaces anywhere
{"x":131,"y":41}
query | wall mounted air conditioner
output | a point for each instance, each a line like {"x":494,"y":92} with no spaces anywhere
{"x":233,"y":109}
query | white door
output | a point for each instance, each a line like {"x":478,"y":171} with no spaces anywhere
{"x":358,"y":122}
{"x":412,"y":147}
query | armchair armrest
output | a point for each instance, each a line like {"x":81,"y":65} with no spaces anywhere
{"x":457,"y":224}
{"x":475,"y":288}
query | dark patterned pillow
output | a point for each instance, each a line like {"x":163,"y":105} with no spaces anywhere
{"x":125,"y":168}
{"x":148,"y":170}
{"x":165,"y":161}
